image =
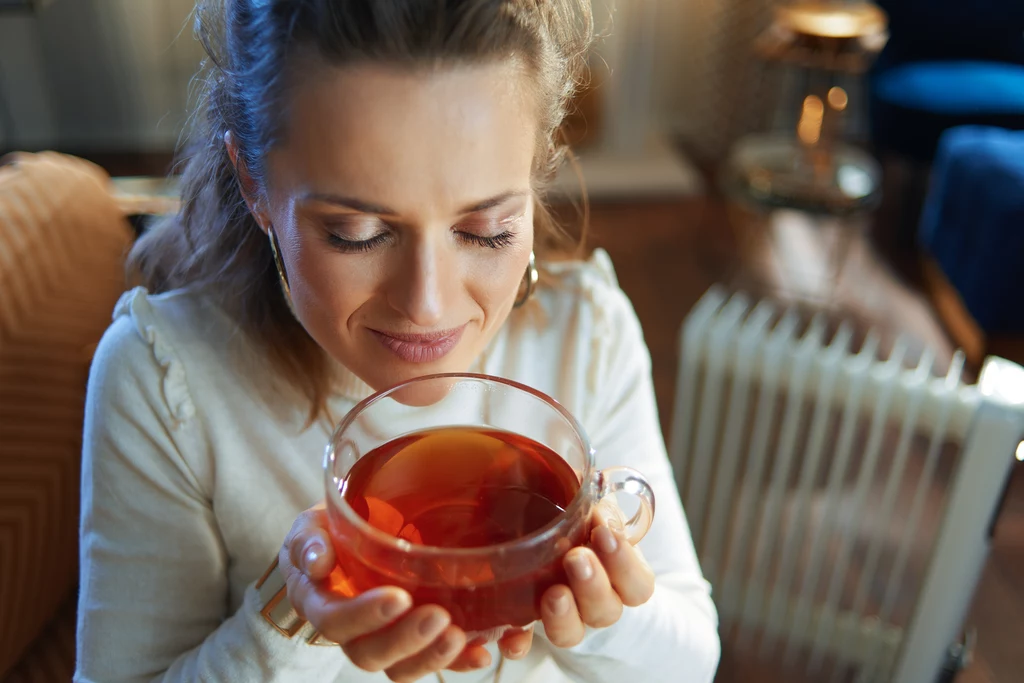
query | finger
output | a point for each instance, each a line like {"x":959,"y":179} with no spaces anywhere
{"x":441,"y":653}
{"x":337,"y":618}
{"x":630,"y":575}
{"x":342,"y":619}
{"x":608,"y":513}
{"x":472,"y":658}
{"x":562,"y":624}
{"x":598,"y":603}
{"x":405,"y":638}
{"x":309,"y":546}
{"x":516,"y":644}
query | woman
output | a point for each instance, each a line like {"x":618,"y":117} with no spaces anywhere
{"x":362,"y":207}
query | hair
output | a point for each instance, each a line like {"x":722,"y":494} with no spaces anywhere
{"x":214,"y":242}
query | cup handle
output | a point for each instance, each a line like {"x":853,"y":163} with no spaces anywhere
{"x":627,"y":480}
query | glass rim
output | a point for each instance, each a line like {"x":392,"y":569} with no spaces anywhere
{"x":530,"y":540}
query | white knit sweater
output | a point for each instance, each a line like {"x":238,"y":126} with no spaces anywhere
{"x":196,"y":464}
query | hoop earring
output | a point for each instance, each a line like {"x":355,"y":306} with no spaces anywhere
{"x":530,"y":280}
{"x":279,"y":264}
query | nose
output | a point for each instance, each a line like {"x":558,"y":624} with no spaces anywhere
{"x":417,"y":290}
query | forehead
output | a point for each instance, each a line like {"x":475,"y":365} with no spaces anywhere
{"x":407,"y":138}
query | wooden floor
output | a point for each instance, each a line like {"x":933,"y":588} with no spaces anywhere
{"x":667,"y":254}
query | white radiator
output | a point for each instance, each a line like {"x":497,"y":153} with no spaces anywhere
{"x":840,"y":502}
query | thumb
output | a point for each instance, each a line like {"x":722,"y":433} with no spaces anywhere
{"x":309,"y":545}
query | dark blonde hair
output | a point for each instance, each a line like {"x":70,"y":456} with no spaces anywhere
{"x":214,"y":242}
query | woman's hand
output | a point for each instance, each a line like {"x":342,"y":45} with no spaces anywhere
{"x":378,"y":630}
{"x":603,"y":577}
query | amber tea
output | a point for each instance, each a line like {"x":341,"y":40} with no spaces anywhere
{"x":461,"y":488}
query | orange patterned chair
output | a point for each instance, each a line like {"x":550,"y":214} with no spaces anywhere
{"x":63,"y":239}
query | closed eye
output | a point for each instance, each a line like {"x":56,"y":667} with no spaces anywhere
{"x":505,"y":239}
{"x":357,"y":246}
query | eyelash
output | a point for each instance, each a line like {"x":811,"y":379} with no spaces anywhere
{"x":353,"y":247}
{"x":505,"y":239}
{"x":497,"y":242}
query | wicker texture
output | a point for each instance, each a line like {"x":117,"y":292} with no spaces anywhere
{"x":62,"y":246}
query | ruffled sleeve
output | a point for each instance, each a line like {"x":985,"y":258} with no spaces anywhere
{"x":154,"y":590}
{"x":135,"y":306}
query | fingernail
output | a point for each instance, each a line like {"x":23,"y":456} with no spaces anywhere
{"x":314,"y":551}
{"x":395,"y":605}
{"x":579,"y":567}
{"x":433,"y":624}
{"x":605,"y":540}
{"x":560,"y":605}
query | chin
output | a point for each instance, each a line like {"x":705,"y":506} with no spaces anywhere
{"x":426,"y":393}
{"x":396,"y":372}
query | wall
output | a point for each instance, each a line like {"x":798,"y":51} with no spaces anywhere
{"x":98,"y":74}
{"x":709,"y":88}
{"x":23,"y":91}
{"x":114,"y":74}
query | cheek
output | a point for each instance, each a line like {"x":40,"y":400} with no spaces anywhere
{"x":495,"y":285}
{"x":503,"y":282}
{"x":497,"y":282}
{"x":324,"y":291}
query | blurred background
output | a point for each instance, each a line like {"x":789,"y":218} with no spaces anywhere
{"x":851,"y":162}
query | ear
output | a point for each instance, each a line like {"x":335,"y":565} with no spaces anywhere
{"x":246,"y":184}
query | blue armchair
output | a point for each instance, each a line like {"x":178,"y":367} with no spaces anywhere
{"x":947,"y":63}
{"x":972,"y":226}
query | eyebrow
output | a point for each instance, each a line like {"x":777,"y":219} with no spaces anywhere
{"x":369,"y":207}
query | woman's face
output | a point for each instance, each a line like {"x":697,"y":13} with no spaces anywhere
{"x":403,"y":206}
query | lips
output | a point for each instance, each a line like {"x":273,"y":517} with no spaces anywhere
{"x":420,"y":348}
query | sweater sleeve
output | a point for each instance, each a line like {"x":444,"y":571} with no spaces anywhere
{"x":154,"y":592}
{"x":673,"y":637}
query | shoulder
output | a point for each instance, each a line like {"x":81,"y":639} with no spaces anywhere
{"x":582,"y":301}
{"x":574,"y":335}
{"x":151,"y":341}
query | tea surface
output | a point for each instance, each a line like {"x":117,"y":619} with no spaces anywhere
{"x":460,"y":487}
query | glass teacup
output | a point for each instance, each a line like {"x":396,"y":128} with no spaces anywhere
{"x":470,"y":489}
